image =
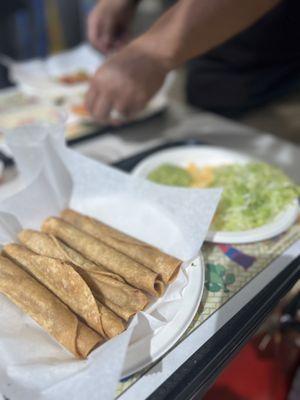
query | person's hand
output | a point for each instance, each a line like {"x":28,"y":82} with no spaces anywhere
{"x":108,"y":24}
{"x":124,"y":84}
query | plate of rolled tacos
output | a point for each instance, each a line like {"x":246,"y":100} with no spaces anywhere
{"x":83,"y":282}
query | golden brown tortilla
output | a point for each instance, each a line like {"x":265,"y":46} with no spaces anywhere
{"x":159,"y":262}
{"x":68,"y":285}
{"x":46,"y":309}
{"x":48,"y":245}
{"x":109,"y":288}
{"x":95,"y":250}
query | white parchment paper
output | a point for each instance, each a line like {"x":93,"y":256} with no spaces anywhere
{"x":32,"y":364}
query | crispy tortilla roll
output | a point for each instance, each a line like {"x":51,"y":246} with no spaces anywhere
{"x":133,"y":272}
{"x":159,"y":262}
{"x":46,"y":309}
{"x":68,"y":285}
{"x":121,"y":298}
{"x":48,"y":245}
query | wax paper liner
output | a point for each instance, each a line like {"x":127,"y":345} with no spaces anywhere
{"x":32,"y":364}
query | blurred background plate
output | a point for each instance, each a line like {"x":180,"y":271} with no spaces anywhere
{"x":40,"y":77}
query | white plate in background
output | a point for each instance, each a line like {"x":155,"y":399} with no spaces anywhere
{"x":216,"y":156}
{"x":39,"y":77}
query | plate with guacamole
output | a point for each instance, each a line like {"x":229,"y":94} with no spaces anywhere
{"x":259,"y":201}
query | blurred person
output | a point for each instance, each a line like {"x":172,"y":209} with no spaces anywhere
{"x":240,"y":54}
{"x":7,"y":8}
{"x":7,"y":11}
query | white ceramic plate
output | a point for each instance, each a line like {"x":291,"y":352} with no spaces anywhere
{"x":142,"y":353}
{"x":210,"y":155}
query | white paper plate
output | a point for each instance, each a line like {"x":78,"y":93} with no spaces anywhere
{"x":144,"y":352}
{"x":38,"y":77}
{"x":210,"y":155}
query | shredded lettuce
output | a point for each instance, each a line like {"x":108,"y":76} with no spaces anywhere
{"x":253,"y":195}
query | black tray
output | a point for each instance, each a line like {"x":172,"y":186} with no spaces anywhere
{"x":198,"y":373}
{"x":129,"y":163}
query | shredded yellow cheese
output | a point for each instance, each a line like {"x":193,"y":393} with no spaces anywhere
{"x":202,"y":177}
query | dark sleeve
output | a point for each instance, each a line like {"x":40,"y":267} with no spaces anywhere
{"x":9,"y":7}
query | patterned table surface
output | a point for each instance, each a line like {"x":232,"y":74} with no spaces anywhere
{"x":228,"y":270}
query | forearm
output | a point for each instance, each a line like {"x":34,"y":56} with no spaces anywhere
{"x":193,"y":27}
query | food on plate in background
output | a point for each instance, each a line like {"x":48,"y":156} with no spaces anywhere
{"x":82,"y":280}
{"x":74,"y":78}
{"x":80,"y":110}
{"x":253,"y":193}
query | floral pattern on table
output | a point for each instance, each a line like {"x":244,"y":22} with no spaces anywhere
{"x":218,"y":278}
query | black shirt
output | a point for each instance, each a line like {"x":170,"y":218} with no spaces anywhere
{"x":8,"y":7}
{"x":254,"y":67}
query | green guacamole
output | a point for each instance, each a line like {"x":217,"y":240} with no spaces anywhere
{"x":171,"y":175}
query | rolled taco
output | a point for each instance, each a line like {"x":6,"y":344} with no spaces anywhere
{"x":109,"y":288}
{"x":46,"y":309}
{"x":165,"y":265}
{"x":95,"y":250}
{"x":69,"y":287}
